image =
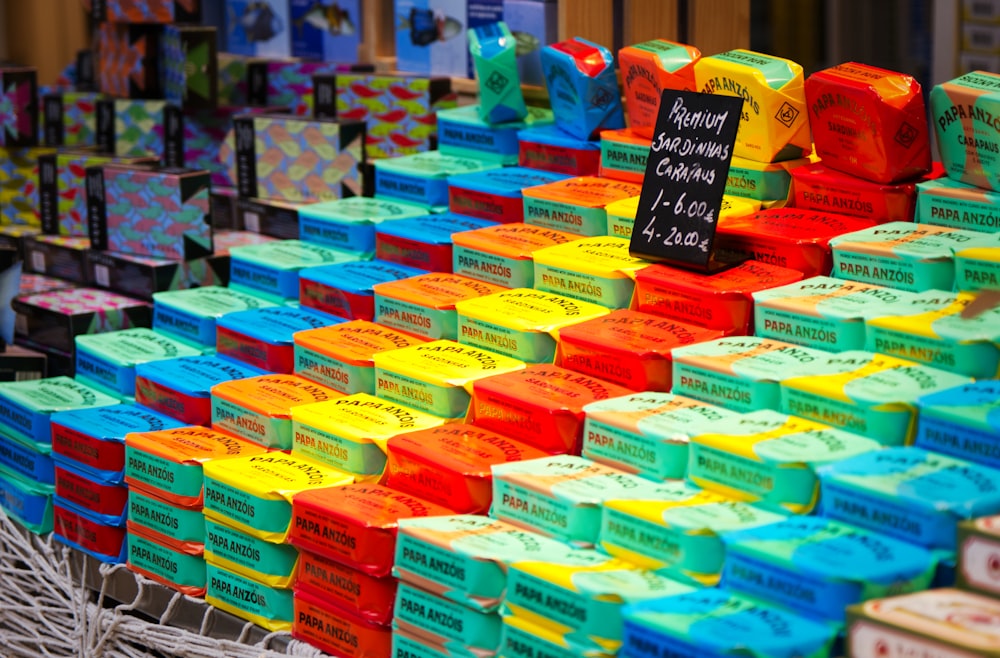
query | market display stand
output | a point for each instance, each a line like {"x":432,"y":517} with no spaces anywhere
{"x":57,"y":601}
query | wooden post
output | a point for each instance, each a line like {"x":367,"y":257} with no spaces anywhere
{"x":378,"y":36}
{"x":715,"y":26}
{"x":46,"y":34}
{"x":645,"y":20}
{"x":593,"y":20}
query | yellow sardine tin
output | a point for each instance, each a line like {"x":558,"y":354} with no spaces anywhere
{"x":621,"y":214}
{"x":599,"y":270}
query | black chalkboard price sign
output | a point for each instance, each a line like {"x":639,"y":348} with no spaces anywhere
{"x":685,"y":179}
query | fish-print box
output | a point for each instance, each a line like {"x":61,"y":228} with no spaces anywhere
{"x":161,"y":212}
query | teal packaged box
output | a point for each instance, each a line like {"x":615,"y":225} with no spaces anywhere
{"x":681,"y":538}
{"x":464,"y":558}
{"x":463,"y":133}
{"x":579,"y":593}
{"x":270,"y":607}
{"x":346,"y":289}
{"x":822,"y":312}
{"x":182,"y":526}
{"x":963,"y":422}
{"x":32,"y":462}
{"x":27,"y":502}
{"x":265,"y":562}
{"x":526,"y":639}
{"x":422,"y":178}
{"x":740,"y":373}
{"x":423,"y":242}
{"x":109,"y":359}
{"x":166,"y":565}
{"x":551,"y":149}
{"x":934,"y":327}
{"x":902,"y":255}
{"x":873,"y":395}
{"x":262,"y":337}
{"x":496,"y":194}
{"x":190,"y":315}
{"x":965,"y":111}
{"x":947,"y":202}
{"x":715,"y":623}
{"x":575,"y":205}
{"x":561,"y":496}
{"x":271,"y":270}
{"x":646,"y":433}
{"x":910,"y":493}
{"x":580,"y":78}
{"x":350,"y":224}
{"x":494,"y":57}
{"x":92,"y":441}
{"x":977,"y":264}
{"x":457,"y":628}
{"x":770,"y":459}
{"x":425,"y":305}
{"x":817,"y":567}
{"x":26,"y":407}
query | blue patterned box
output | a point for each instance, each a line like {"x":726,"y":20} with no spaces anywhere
{"x":189,"y":66}
{"x":69,"y":118}
{"x":18,"y":106}
{"x":139,"y":128}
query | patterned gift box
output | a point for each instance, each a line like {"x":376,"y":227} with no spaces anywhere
{"x":128,"y":60}
{"x":61,"y":256}
{"x":401,"y":111}
{"x":19,"y":185}
{"x":206,"y":135}
{"x":139,"y":128}
{"x":18,"y":106}
{"x":299,"y":159}
{"x":190,"y":70}
{"x":69,"y":118}
{"x":144,"y":11}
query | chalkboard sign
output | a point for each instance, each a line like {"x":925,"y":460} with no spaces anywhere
{"x":685,"y":179}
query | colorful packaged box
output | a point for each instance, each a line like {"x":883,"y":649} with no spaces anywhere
{"x":761,"y":181}
{"x":647,"y":69}
{"x":869,"y":122}
{"x":422,"y":178}
{"x":598,"y":270}
{"x":961,"y":422}
{"x":437,"y":377}
{"x":821,"y":312}
{"x":503,"y":254}
{"x":909,"y":493}
{"x":823,"y":566}
{"x":190,"y":315}
{"x":520,"y":638}
{"x":269,"y":607}
{"x":551,"y":149}
{"x":870,"y":394}
{"x":351,"y":432}
{"x":963,"y":111}
{"x":522,"y":323}
{"x":346,"y":289}
{"x":140,"y":128}
{"x":423,"y":242}
{"x":109,"y":359}
{"x":903,"y":255}
{"x":947,"y":202}
{"x":581,"y":593}
{"x":942,"y":621}
{"x":623,"y":154}
{"x":493,"y":47}
{"x":350,"y":224}
{"x":181,"y":387}
{"x":646,"y":433}
{"x":495,"y":194}
{"x":715,"y":623}
{"x":342,"y":356}
{"x":450,"y":464}
{"x":57,"y":317}
{"x":63,"y":257}
{"x":253,"y":493}
{"x":816,"y":186}
{"x":181,"y":528}
{"x":628,"y":348}
{"x":142,"y":276}
{"x":26,"y":501}
{"x":561,"y":496}
{"x":105,"y":543}
{"x":262,"y":561}
{"x":368,"y":597}
{"x":444,"y":623}
{"x":621,"y":214}
{"x":189,"y":65}
{"x":575,"y":205}
{"x":679,"y":531}
{"x":103,"y":502}
{"x":541,"y":405}
{"x":20,"y":203}
{"x":19,"y":98}
{"x":155,"y":11}
{"x":770,"y":459}
{"x":788,"y":237}
{"x":336,"y":630}
{"x":774,"y":125}
{"x":580,"y":79}
{"x":259,"y":409}
{"x":463,"y":133}
{"x":262,"y":337}
{"x":278,"y":219}
{"x":424,"y":305}
{"x":355,"y":524}
{"x":166,"y":565}
{"x":401,"y":110}
{"x":169,"y":464}
{"x":299,"y":159}
{"x":722,"y":301}
{"x":978,"y":552}
{"x":92,"y":441}
{"x":271,"y":270}
{"x":127,"y":60}
{"x":30,"y":284}
{"x":933,"y":328}
{"x":28,"y":459}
